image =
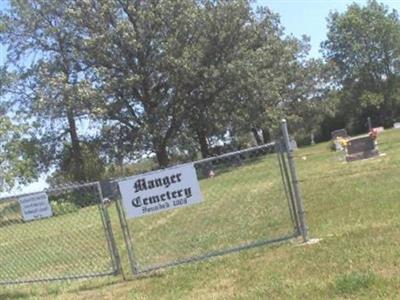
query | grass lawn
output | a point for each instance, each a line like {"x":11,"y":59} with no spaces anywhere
{"x":353,"y":207}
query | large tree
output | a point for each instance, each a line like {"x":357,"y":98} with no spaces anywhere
{"x":133,"y":48}
{"x":166,"y":68}
{"x":364,"y":45}
{"x":49,"y":87}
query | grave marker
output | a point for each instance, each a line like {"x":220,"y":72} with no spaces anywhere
{"x":361,"y":147}
{"x":336,"y":134}
{"x":293,"y":144}
{"x":339,"y":133}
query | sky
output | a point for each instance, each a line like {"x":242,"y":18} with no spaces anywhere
{"x":299,"y":17}
{"x":309,"y":16}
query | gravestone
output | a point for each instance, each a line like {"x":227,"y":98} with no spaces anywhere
{"x":396,"y":125}
{"x":339,"y":133}
{"x":361,"y":147}
{"x":336,"y":134}
{"x":109,"y":190}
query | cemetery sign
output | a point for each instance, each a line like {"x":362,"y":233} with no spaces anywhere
{"x":35,"y":206}
{"x":160,"y":191}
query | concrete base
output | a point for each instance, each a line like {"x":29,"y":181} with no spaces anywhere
{"x":362,"y":155}
{"x":310,"y":242}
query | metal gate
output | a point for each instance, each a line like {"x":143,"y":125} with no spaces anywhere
{"x":251,"y":198}
{"x":75,"y":241}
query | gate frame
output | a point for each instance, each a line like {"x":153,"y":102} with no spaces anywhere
{"x":291,"y":190}
{"x":294,"y":182}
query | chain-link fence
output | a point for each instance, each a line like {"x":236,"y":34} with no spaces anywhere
{"x":248,"y":200}
{"x":62,"y":233}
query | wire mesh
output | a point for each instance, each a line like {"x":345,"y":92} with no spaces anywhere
{"x":71,"y":242}
{"x":245,"y":204}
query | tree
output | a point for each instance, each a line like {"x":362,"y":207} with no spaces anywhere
{"x":19,"y":155}
{"x":364,"y":45}
{"x":210,"y":67}
{"x":133,"y":48}
{"x":49,"y":87}
{"x":269,"y":77}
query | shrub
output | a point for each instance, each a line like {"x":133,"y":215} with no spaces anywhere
{"x":63,"y":207}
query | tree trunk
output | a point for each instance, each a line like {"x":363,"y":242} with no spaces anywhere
{"x":78,"y":173}
{"x":162,"y":156}
{"x":256,"y":136}
{"x":202,"y":139}
{"x":266,"y":136}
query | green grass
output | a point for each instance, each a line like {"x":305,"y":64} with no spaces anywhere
{"x":354,"y":207}
{"x":66,"y":245}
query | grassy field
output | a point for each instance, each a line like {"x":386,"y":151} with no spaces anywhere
{"x":70,"y":244}
{"x":353,"y":207}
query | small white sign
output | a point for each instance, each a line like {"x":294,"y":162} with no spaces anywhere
{"x":34,"y":207}
{"x":160,"y":191}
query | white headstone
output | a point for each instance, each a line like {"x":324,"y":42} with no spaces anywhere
{"x":293,"y":144}
{"x":396,"y":125}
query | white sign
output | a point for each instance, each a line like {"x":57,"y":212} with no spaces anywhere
{"x":159,"y":191}
{"x":396,"y":125}
{"x":34,"y":207}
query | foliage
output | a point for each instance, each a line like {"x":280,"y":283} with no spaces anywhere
{"x":20,"y":155}
{"x":170,"y":79}
{"x":49,"y":87}
{"x":364,"y":45}
{"x":94,"y":167}
{"x":63,"y":207}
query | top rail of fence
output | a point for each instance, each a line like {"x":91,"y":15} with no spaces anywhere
{"x":50,"y":190}
{"x":204,"y":160}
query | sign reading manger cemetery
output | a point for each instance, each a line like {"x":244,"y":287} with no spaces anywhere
{"x":159,"y":191}
{"x":35,"y":206}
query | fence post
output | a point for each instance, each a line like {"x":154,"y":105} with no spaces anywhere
{"x":295,"y":182}
{"x":109,"y":233}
